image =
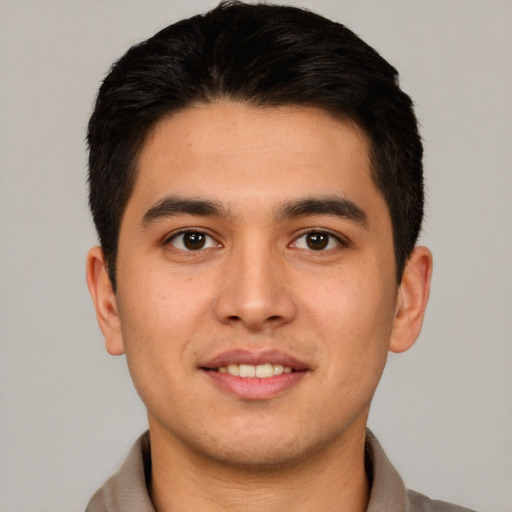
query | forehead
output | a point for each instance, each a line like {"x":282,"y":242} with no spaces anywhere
{"x":252,"y":164}
{"x":237,"y":145}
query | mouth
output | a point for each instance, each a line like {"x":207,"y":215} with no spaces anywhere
{"x":260,"y":371}
{"x":254,"y":376}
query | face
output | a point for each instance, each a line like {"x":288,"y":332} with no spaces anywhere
{"x":257,"y":295}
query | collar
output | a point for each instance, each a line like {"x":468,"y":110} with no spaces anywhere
{"x":127,"y":490}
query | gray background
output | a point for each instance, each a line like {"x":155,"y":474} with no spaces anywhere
{"x":68,"y":411}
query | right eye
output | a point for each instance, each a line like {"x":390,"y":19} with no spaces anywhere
{"x":192,"y":241}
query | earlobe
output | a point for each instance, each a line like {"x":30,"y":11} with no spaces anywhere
{"x":412,"y":300}
{"x":105,"y":301}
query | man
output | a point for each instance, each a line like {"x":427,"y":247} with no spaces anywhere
{"x":256,"y":183}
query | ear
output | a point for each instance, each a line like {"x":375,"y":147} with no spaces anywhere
{"x":412,"y":300}
{"x":105,"y":301}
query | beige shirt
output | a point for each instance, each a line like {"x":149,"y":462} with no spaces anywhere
{"x":126,"y":491}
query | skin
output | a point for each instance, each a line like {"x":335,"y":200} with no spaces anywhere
{"x":257,"y":285}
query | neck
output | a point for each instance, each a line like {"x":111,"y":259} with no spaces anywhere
{"x":332,"y":479}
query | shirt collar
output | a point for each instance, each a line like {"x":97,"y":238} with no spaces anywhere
{"x":127,"y":490}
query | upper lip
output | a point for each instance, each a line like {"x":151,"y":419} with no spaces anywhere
{"x":243,"y":356}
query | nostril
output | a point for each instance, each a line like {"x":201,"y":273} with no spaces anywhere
{"x":254,"y":309}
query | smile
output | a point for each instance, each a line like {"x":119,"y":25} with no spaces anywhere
{"x":260,"y":371}
{"x":249,"y":375}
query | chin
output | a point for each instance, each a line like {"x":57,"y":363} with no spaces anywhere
{"x":258,"y":455}
{"x":259,"y":450}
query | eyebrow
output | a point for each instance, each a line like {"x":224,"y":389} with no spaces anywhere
{"x":337,"y":206}
{"x":172,"y":206}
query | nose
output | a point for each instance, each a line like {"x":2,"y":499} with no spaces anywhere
{"x":255,"y":292}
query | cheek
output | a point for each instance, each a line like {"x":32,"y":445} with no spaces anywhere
{"x":162,"y":295}
{"x":159,"y":320}
{"x":354,"y":316}
{"x":160,"y":314}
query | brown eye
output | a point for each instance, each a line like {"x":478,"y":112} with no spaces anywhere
{"x":192,"y":241}
{"x":317,"y":241}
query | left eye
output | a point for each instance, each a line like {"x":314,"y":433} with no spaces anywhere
{"x":192,"y":241}
{"x":316,"y":241}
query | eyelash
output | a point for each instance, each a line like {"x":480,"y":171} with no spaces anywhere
{"x":340,"y":242}
{"x":175,"y":236}
{"x":212,"y":243}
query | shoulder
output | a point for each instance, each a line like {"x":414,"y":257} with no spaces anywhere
{"x":421,"y":503}
{"x":388,"y":491}
{"x":102,"y":500}
{"x":126,"y":491}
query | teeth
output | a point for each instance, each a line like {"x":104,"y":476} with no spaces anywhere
{"x":278,"y":369}
{"x":247,"y":370}
{"x":262,"y":371}
{"x":233,"y":369}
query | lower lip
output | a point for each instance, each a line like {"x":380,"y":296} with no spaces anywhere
{"x":254,"y":388}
